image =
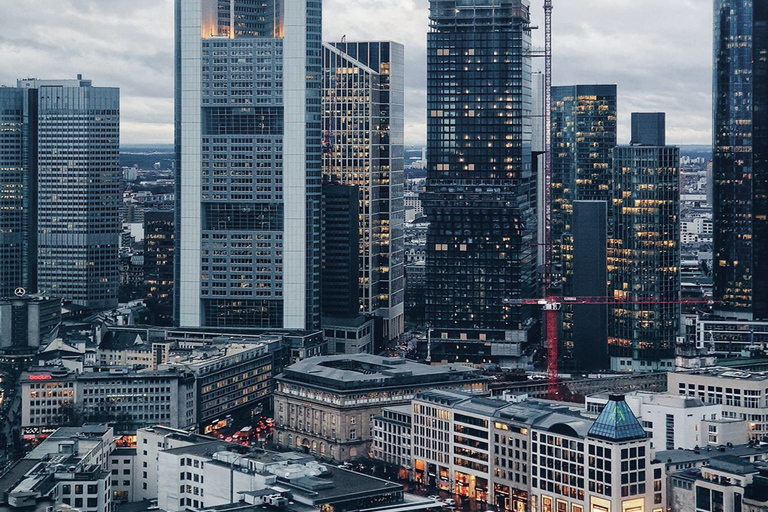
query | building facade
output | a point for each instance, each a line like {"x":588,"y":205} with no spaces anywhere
{"x":740,"y":113}
{"x":743,"y":394}
{"x":480,"y":197}
{"x":583,"y":134}
{"x":644,"y":250}
{"x":363,"y":95}
{"x":535,"y":455}
{"x":327,"y":405}
{"x":60,"y":191}
{"x":248,"y":186}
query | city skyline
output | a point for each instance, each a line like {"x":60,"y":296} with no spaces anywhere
{"x":131,"y":46}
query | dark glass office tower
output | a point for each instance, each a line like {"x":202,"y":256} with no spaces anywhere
{"x":740,"y":158}
{"x":583,"y":137}
{"x":248,"y":145}
{"x":481,"y":192}
{"x":14,"y":194}
{"x":644,"y":250}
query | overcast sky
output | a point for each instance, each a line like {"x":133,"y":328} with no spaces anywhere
{"x":659,"y":52}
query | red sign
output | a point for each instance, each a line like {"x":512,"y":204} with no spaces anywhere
{"x":40,"y":377}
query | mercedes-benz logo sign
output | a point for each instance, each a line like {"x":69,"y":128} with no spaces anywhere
{"x":20,"y":292}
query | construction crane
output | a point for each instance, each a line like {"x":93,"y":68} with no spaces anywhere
{"x":552,"y":304}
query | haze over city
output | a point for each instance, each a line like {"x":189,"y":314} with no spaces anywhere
{"x":658,"y":52}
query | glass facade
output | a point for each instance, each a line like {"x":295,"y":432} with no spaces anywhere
{"x":13,"y":198}
{"x":583,"y":137}
{"x":71,"y":149}
{"x":248,"y":222}
{"x":617,"y":423}
{"x":363,"y":89}
{"x":740,"y":159}
{"x":481,"y":191}
{"x":644,"y":256}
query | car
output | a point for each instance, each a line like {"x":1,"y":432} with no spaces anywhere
{"x":449,"y":501}
{"x":433,"y":497}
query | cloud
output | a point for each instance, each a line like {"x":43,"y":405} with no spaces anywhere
{"x":658,"y":52}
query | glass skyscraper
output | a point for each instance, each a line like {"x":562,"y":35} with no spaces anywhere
{"x":481,"y":191}
{"x":740,"y":158}
{"x":583,"y":137}
{"x":60,"y":190}
{"x":363,"y":88}
{"x":248,"y":129}
{"x":644,"y":249}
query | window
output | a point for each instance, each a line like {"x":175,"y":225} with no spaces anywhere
{"x":353,"y":434}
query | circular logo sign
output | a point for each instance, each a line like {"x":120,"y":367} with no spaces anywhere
{"x":19,"y":292}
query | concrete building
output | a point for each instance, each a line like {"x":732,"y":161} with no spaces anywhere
{"x":326,"y":405}
{"x":742,"y":394}
{"x":53,"y":396}
{"x":678,"y":422}
{"x":28,"y":322}
{"x":535,"y":455}
{"x":68,"y":468}
{"x":185,"y":470}
{"x":248,"y":188}
{"x":392,"y":438}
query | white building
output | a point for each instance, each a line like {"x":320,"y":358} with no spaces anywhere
{"x":742,"y":394}
{"x":69,"y":468}
{"x":674,"y":421}
{"x":392,"y":437}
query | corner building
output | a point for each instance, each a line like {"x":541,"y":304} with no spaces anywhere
{"x":247,"y":141}
{"x":481,"y":191}
{"x":740,"y":104}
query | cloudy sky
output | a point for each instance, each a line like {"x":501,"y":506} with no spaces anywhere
{"x":657,"y":51}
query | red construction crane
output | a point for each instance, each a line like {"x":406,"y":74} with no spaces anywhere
{"x":552,"y":304}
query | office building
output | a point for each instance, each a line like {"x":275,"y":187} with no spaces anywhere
{"x":159,"y":248}
{"x":743,"y":394}
{"x":480,"y":197}
{"x":186,"y":470}
{"x":248,"y":123}
{"x":740,"y":113}
{"x":60,"y":190}
{"x":17,"y":242}
{"x":535,"y":455}
{"x":67,"y":471}
{"x":28,"y":323}
{"x":644,"y":250}
{"x":583,"y":137}
{"x":363,"y":94}
{"x":326,"y":405}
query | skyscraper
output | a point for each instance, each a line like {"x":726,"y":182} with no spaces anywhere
{"x":644,"y":249}
{"x":60,"y":190}
{"x":17,"y":242}
{"x":248,"y":187}
{"x":583,"y":138}
{"x":481,"y":192}
{"x":363,"y":140}
{"x":740,"y":158}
